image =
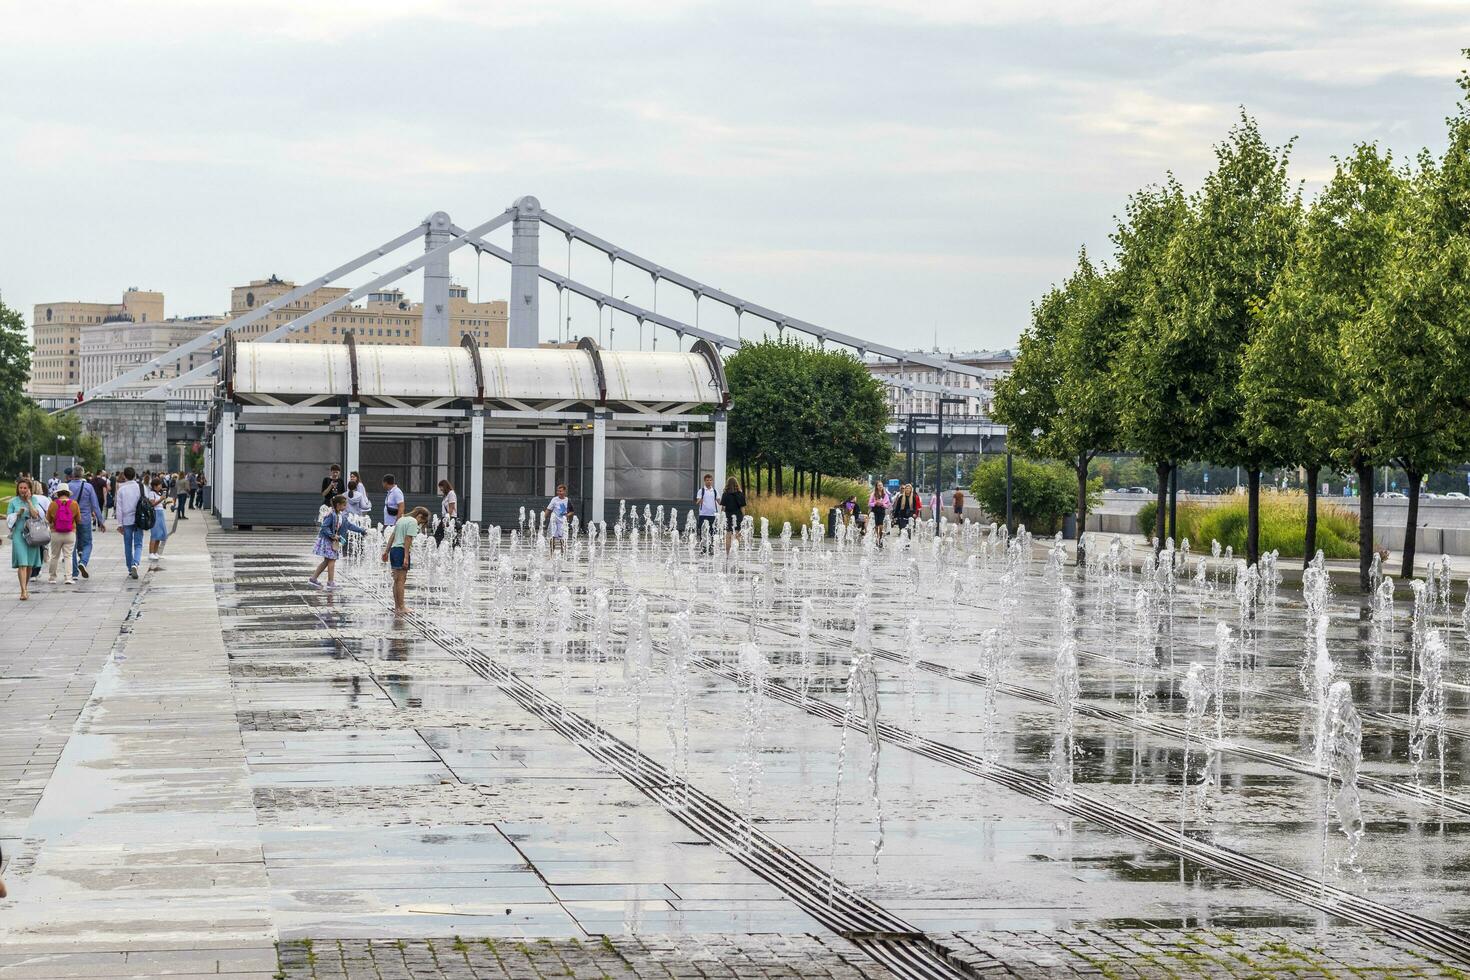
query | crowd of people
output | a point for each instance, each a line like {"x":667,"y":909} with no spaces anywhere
{"x":53,"y":523}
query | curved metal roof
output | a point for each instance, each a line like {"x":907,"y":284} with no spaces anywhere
{"x":535,"y":374}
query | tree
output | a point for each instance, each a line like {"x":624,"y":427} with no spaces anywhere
{"x":817,"y":411}
{"x":1299,"y":395}
{"x":1058,"y":400}
{"x":1407,"y":356}
{"x":1041,"y":493}
{"x":15,"y":372}
{"x":1224,"y":263}
{"x":1155,"y":415}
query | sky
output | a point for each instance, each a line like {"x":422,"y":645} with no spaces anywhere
{"x":907,"y":171}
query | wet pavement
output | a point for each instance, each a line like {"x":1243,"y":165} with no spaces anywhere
{"x":221,"y":758}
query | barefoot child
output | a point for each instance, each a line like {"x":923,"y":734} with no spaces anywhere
{"x":329,"y":541}
{"x":398,"y":552}
{"x":558,"y":512}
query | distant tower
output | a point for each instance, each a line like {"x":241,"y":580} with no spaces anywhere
{"x":524,"y":328}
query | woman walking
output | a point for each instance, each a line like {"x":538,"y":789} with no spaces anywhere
{"x":329,"y":541}
{"x":878,"y":502}
{"x":159,"y":533}
{"x":23,"y":555}
{"x":181,"y":495}
{"x":64,"y":517}
{"x":733,"y":503}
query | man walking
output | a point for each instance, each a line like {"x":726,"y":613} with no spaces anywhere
{"x":708,"y":501}
{"x":85,"y":495}
{"x":129,"y":491}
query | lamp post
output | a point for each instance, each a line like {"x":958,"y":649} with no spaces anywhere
{"x":57,"y":452}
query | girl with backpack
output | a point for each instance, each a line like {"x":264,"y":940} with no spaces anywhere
{"x":158,"y":534}
{"x":329,"y":541}
{"x":64,"y":515}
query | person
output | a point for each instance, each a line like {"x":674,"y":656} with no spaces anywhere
{"x":392,"y":501}
{"x":191,"y":486}
{"x":959,"y":506}
{"x":127,"y":494}
{"x":24,"y":556}
{"x":85,"y":495}
{"x":99,"y":487}
{"x":398,"y":553}
{"x":849,"y":510}
{"x":732,"y":501}
{"x":708,"y":500}
{"x":158,"y":534}
{"x":878,"y":502}
{"x":52,"y":484}
{"x":64,"y":517}
{"x":906,"y":507}
{"x":448,"y":514}
{"x":329,"y":541}
{"x":331,"y":484}
{"x":558,"y":513}
{"x":203,"y":491}
{"x":43,"y":502}
{"x":181,"y":495}
{"x":358,"y":504}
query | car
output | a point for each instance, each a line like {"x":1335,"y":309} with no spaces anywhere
{"x":1393,"y":495}
{"x":1143,"y":490}
{"x":1456,"y":495}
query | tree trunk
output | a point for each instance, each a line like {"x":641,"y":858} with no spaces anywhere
{"x":1411,"y":524}
{"x":1163,"y":470}
{"x":1309,"y":548}
{"x":1365,"y":523}
{"x":819,"y":484}
{"x":1082,"y":461}
{"x":1174,"y":504}
{"x":1253,"y":516}
{"x":780,"y":477}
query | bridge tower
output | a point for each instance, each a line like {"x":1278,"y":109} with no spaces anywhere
{"x":524,"y":329}
{"x":436,"y":282}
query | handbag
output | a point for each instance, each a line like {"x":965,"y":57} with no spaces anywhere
{"x":37,"y":533}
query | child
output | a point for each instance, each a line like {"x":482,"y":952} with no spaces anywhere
{"x":399,"y":552}
{"x":558,"y":512}
{"x":329,"y":541}
{"x":158,"y":536}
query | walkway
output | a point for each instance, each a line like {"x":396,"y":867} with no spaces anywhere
{"x":214,"y":772}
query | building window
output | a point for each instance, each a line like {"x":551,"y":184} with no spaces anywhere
{"x":249,"y":299}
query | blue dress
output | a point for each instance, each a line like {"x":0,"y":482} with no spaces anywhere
{"x":334,"y":525}
{"x":22,"y":554}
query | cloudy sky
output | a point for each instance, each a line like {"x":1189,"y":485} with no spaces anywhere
{"x":897,"y":169}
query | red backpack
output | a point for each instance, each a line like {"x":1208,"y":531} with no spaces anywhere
{"x":66,"y":516}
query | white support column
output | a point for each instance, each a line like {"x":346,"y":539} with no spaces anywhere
{"x":477,"y":466}
{"x":224,"y":485}
{"x":441,"y":460}
{"x":352,"y":450}
{"x":721,"y":441}
{"x":599,"y":468}
{"x":548,"y":467}
{"x":524,"y":327}
{"x":435,"y":331}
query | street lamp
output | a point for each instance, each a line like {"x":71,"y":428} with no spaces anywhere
{"x":59,"y":440}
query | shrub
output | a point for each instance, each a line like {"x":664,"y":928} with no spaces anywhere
{"x":1041,"y":493}
{"x":1283,"y":525}
{"x":797,"y":510}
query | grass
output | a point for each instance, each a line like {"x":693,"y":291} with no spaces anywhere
{"x":1283,"y":525}
{"x":797,"y":510}
{"x":7,"y":489}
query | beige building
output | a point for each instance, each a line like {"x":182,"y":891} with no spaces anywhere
{"x":81,"y":345}
{"x":903,"y":402}
{"x":385,"y":318}
{"x":56,"y":369}
{"x":117,"y":345}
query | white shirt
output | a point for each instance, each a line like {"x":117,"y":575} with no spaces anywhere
{"x":392,"y":500}
{"x":358,"y":502}
{"x":709,"y":501}
{"x":449,"y":504}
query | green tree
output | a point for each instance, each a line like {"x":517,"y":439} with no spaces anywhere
{"x":1299,"y":395}
{"x":15,"y":372}
{"x":1156,"y":416}
{"x":816,"y":411}
{"x":1408,"y":355}
{"x":1240,"y":232}
{"x":1058,"y":400}
{"x":1041,"y":492}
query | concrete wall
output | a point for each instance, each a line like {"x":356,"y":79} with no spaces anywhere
{"x":134,"y":431}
